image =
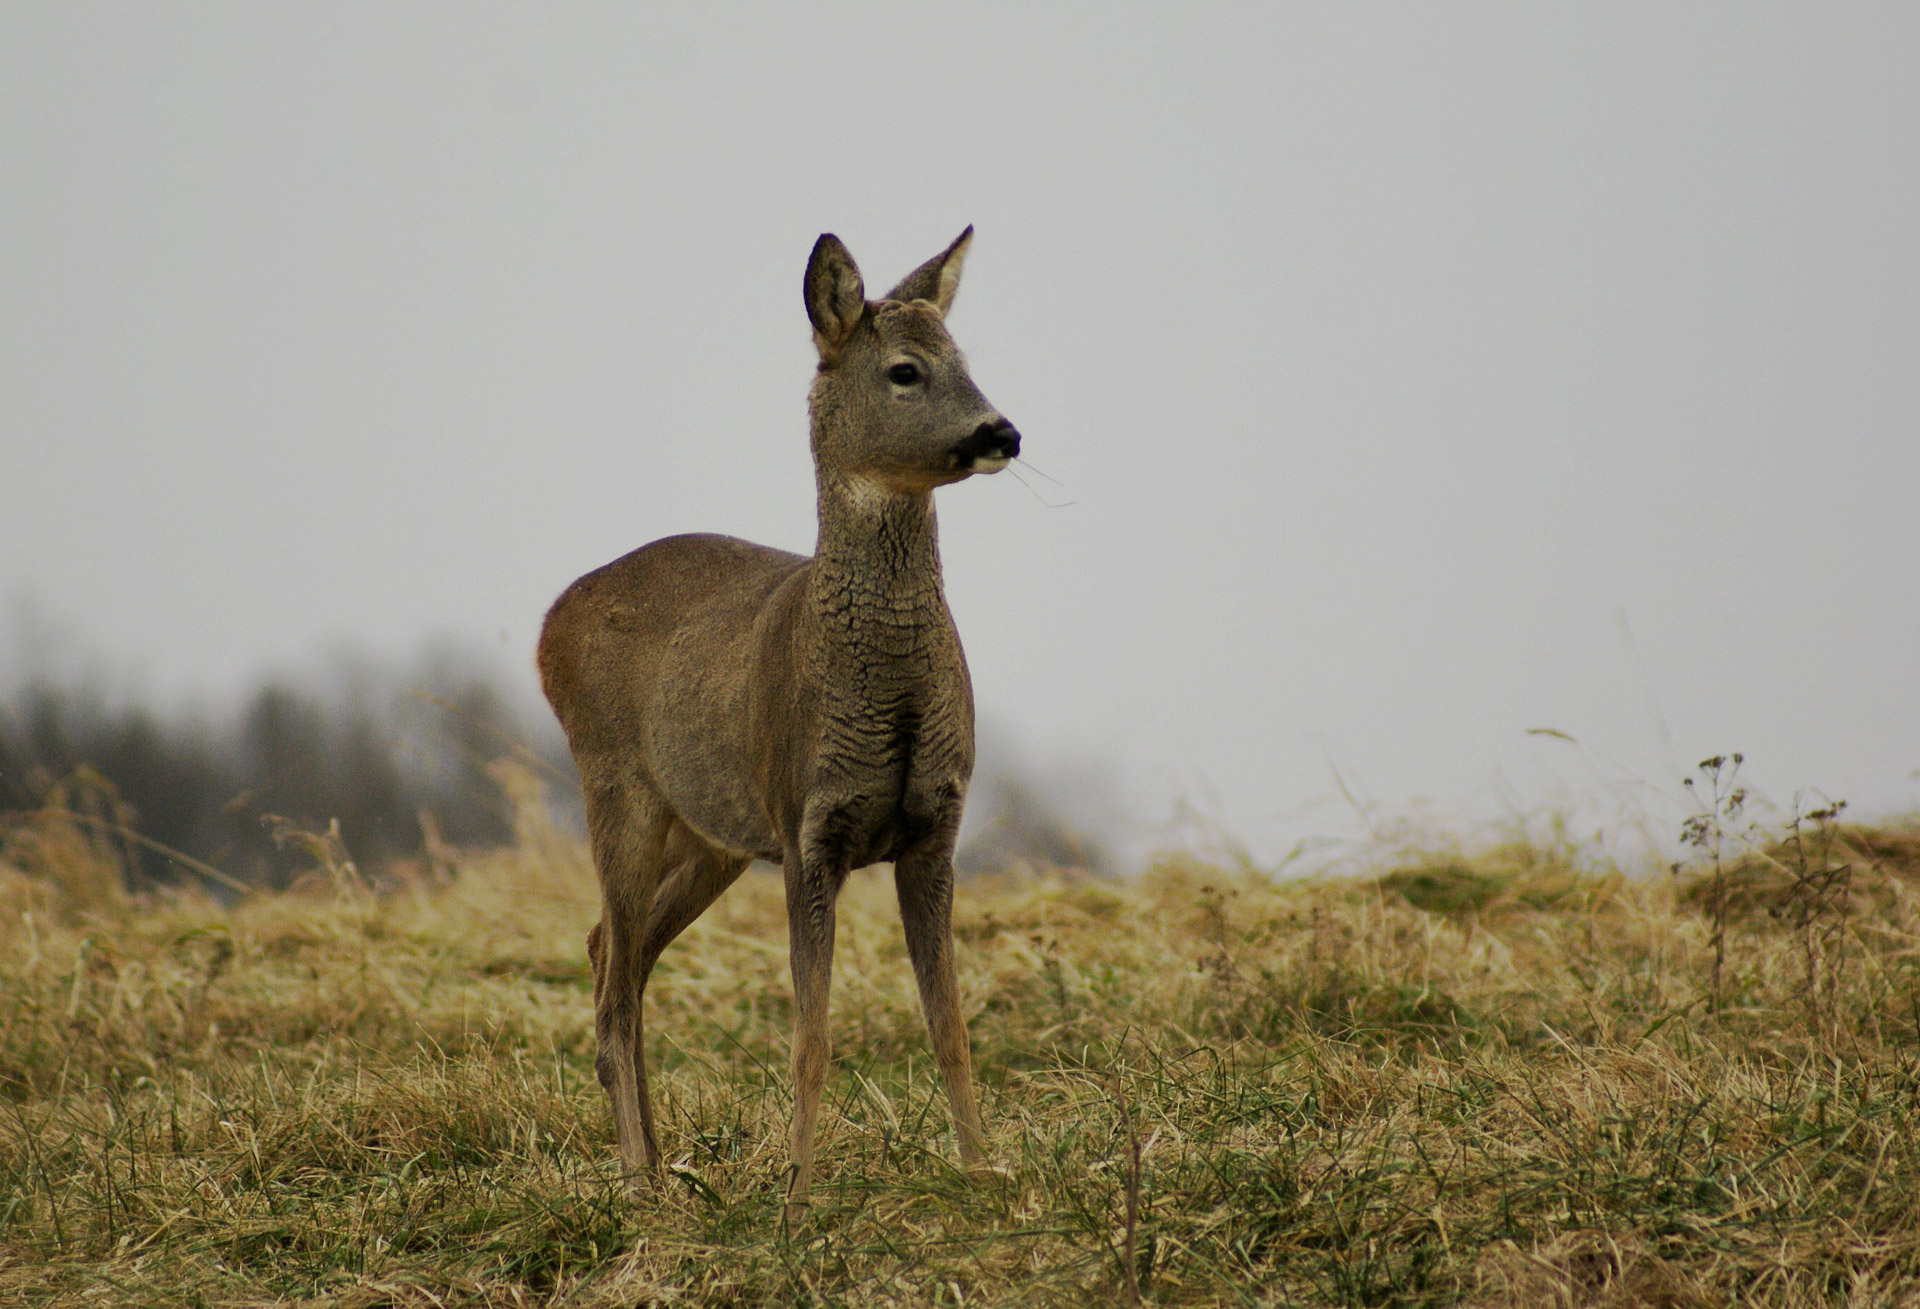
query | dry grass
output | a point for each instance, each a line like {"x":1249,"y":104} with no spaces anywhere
{"x":1488,"y":1080}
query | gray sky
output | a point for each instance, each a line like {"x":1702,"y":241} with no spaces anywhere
{"x":1396,"y":360}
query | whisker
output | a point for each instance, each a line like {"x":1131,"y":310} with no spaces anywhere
{"x":1011,"y":468}
{"x":1043,"y":472}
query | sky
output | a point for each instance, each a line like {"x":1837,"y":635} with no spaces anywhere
{"x":1394,"y":380}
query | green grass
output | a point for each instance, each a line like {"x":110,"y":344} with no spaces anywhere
{"x":1488,"y":1078}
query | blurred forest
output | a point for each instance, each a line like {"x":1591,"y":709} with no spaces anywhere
{"x":399,"y":757}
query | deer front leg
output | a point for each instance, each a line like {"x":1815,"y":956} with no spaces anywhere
{"x":813,"y":881}
{"x":923,"y":878}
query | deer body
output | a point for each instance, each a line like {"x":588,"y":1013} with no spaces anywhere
{"x":726,"y":701}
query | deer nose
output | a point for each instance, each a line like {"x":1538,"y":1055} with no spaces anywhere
{"x":993,"y":442}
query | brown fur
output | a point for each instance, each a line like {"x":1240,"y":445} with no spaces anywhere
{"x":726,"y":701}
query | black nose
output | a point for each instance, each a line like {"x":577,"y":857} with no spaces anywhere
{"x":997,"y":439}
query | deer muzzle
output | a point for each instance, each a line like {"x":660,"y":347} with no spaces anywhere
{"x":988,"y":448}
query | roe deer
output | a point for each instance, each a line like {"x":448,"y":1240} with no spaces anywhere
{"x":726,"y":701}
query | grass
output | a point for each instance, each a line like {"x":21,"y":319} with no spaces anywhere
{"x":1483,"y":1078}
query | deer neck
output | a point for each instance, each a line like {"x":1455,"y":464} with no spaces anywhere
{"x":879,"y":548}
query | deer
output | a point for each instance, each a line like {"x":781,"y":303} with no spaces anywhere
{"x":726,"y":702}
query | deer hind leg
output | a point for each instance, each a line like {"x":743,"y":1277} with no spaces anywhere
{"x":690,"y":876}
{"x":597,"y":957}
{"x":697,"y":875}
{"x":923,"y":879}
{"x":627,"y":827}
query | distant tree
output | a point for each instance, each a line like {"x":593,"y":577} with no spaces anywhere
{"x":1023,"y":827}
{"x":373,"y":756}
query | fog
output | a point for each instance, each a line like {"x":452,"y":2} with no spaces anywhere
{"x":1394,"y":381}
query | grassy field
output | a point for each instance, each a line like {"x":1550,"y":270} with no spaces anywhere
{"x":1500,"y":1077}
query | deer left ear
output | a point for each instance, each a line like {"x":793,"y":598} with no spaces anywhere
{"x":836,"y":298}
{"x":938,"y":278}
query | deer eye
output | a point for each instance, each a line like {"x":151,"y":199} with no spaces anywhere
{"x":903,"y":374}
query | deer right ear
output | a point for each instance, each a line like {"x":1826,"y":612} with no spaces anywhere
{"x":836,"y":297}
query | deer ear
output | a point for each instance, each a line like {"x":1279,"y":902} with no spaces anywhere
{"x":938,"y":278}
{"x":835,"y":295}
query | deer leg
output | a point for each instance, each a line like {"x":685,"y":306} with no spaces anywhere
{"x":627,"y":830}
{"x":699,"y":875}
{"x":695,"y":876}
{"x":923,"y":879}
{"x":597,"y":959}
{"x":813,"y":884}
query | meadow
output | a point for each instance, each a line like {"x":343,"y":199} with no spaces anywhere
{"x":1504,"y":1074}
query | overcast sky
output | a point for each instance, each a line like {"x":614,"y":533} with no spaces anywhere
{"x":1405,"y":377}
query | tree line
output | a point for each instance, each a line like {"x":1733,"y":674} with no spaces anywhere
{"x":398,"y":758}
{"x":395,"y":759}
